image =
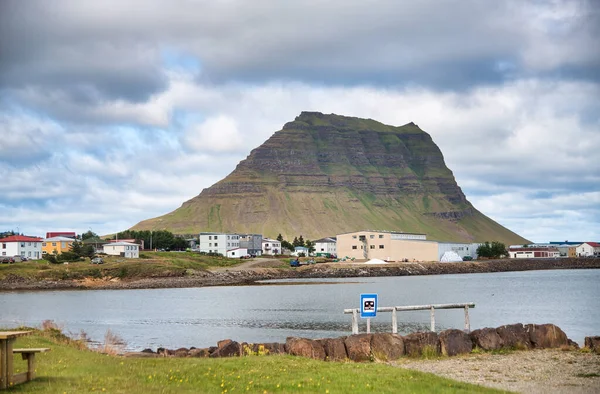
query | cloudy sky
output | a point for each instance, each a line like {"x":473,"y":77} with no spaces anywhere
{"x":116,"y":111}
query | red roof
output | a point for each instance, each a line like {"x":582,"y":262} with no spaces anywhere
{"x":20,"y":238}
{"x":593,"y":244}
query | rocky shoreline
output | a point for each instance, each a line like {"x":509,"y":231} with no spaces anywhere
{"x":236,"y":276}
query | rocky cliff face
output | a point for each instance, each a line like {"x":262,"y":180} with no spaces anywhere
{"x":323,"y":175}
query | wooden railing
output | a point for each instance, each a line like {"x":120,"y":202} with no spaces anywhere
{"x":356,"y":312}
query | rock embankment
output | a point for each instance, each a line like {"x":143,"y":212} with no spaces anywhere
{"x":389,"y":347}
{"x":250,"y":276}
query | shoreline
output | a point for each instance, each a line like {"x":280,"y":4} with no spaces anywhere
{"x":247,"y":276}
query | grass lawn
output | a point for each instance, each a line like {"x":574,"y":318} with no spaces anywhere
{"x":68,"y":369}
{"x":150,"y":264}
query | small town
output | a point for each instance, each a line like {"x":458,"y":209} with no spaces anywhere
{"x":384,"y":246}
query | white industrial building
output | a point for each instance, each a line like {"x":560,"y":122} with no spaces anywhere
{"x":124,"y":249}
{"x":326,"y":246}
{"x":461,"y":249}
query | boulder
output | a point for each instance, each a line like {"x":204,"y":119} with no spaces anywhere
{"x":141,"y":355}
{"x":305,"y":348}
{"x":199,"y":353}
{"x":358,"y":347}
{"x":593,"y":343}
{"x":385,"y":346}
{"x":574,"y":345}
{"x":229,"y":349}
{"x":335,"y":349}
{"x":543,"y":336}
{"x":181,"y":352}
{"x":275,"y":348}
{"x":453,"y":342}
{"x":514,"y":336}
{"x":419,"y":343}
{"x":486,"y":339}
{"x":223,"y":343}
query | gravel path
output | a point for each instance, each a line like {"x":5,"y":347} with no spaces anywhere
{"x":536,"y":371}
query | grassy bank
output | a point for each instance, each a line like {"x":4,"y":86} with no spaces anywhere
{"x":150,"y":264}
{"x":71,"y":369}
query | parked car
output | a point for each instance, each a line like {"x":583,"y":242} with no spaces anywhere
{"x":7,"y":259}
{"x":467,"y":258}
{"x":97,"y":260}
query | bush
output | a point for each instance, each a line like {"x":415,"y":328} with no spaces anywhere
{"x":50,"y":258}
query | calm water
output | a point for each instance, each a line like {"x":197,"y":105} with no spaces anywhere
{"x":202,"y":316}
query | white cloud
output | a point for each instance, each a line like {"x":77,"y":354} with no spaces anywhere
{"x":216,"y":134}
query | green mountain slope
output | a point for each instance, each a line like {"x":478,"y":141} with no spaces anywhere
{"x":327,"y":174}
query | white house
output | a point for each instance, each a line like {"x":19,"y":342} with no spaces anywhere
{"x":271,"y":246}
{"x":326,"y":246}
{"x":588,"y":249}
{"x":237,"y":253}
{"x":124,"y":249}
{"x":300,"y":250}
{"x":21,"y":245}
{"x":218,"y":242}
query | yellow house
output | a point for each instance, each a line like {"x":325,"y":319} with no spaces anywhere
{"x":57,"y":245}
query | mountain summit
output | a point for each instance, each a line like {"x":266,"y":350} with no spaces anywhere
{"x":323,"y":175}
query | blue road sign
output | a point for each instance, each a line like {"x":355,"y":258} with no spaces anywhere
{"x":368,"y":305}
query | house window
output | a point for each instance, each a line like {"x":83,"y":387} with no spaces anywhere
{"x":62,"y":245}
{"x":372,"y":246}
{"x":3,"y":253}
{"x":3,"y":246}
{"x":322,"y":250}
{"x":216,"y":244}
{"x":53,"y":243}
{"x":371,"y":236}
{"x":210,"y":237}
{"x":354,"y":247}
{"x":43,"y":243}
{"x":380,"y":246}
{"x":22,"y":244}
{"x":29,"y":254}
{"x":229,"y":244}
{"x":29,"y":244}
{"x":210,"y":244}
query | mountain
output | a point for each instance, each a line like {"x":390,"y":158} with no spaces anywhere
{"x":323,"y":175}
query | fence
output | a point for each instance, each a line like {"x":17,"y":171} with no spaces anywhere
{"x":355,"y":314}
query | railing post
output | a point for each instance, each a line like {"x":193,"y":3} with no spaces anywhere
{"x":432,"y":319}
{"x":354,"y":322}
{"x":467,"y":321}
{"x":394,"y":321}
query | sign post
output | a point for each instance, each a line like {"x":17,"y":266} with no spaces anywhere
{"x":368,"y":308}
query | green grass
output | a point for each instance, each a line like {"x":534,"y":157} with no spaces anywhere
{"x":155,"y":264}
{"x":67,"y":369}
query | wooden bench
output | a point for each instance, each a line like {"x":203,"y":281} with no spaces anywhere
{"x":29,"y":355}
